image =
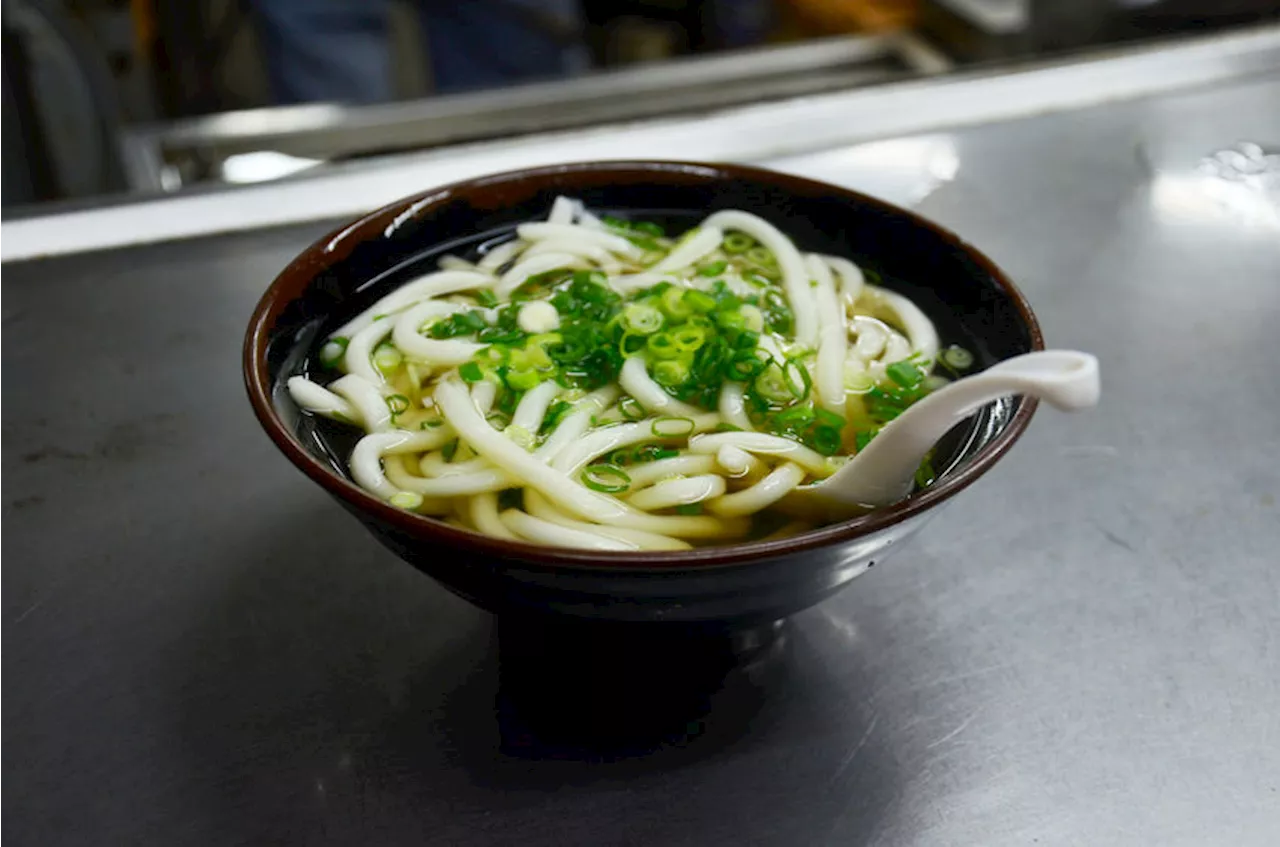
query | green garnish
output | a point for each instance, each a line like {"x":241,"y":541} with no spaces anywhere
{"x":689,"y":509}
{"x":398,"y":404}
{"x":713,"y":269}
{"x":610,"y":479}
{"x":737,"y":242}
{"x":333,"y":350}
{"x":449,"y":450}
{"x":957,"y":358}
{"x":470,"y":372}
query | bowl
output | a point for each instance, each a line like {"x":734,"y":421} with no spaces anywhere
{"x":969,"y":298}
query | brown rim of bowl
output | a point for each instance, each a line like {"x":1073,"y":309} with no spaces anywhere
{"x":294,"y":279}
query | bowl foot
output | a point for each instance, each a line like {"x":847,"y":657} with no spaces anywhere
{"x":607,"y":691}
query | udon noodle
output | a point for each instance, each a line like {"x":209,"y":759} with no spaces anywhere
{"x":593,"y":383}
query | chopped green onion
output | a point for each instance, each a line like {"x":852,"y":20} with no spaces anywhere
{"x":904,"y":373}
{"x":398,"y":404}
{"x":826,"y":440}
{"x":797,"y":379}
{"x":522,"y":380}
{"x":431,"y":423}
{"x":761,"y":256}
{"x":641,"y":319}
{"x":449,"y":450}
{"x":689,"y":509}
{"x":672,"y":427}
{"x":333,"y":351}
{"x":862,"y":438}
{"x":688,"y":339}
{"x":771,"y":385}
{"x":631,"y":408}
{"x":662,"y":345}
{"x":745,"y":365}
{"x":713,"y":268}
{"x":649,"y":228}
{"x":727,"y":427}
{"x":673,"y":303}
{"x":957,"y":357}
{"x":925,"y":474}
{"x":555,"y":412}
{"x":737,"y":242}
{"x":485,"y":297}
{"x":408,"y":500}
{"x":470,"y":372}
{"x":670,"y":372}
{"x":699,"y":301}
{"x":610,"y":479}
{"x":933,"y":382}
{"x":387,"y":358}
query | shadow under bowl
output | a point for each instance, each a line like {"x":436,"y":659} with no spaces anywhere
{"x":970,"y":300}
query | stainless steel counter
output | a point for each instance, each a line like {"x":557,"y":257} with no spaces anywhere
{"x":202,"y":649}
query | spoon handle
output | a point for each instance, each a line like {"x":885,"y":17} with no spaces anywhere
{"x":883,"y":471}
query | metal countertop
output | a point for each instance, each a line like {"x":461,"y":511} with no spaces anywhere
{"x":203,"y":649}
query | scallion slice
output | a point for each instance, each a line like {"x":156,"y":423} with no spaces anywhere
{"x":607,"y":478}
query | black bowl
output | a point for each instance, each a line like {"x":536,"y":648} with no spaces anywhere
{"x":970,"y":300}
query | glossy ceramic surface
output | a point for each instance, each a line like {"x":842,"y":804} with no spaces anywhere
{"x":969,"y":299}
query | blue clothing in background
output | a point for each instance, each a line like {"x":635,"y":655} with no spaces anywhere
{"x":339,"y":50}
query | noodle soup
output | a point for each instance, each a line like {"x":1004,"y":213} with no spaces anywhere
{"x":596,"y":383}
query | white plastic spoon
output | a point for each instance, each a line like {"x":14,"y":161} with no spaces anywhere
{"x":883,"y":472}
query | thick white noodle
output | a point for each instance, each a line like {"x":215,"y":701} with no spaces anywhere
{"x":525,"y":268}
{"x":631,"y":283}
{"x":533,"y":406}
{"x":598,"y":442}
{"x":433,"y":464}
{"x":484,"y":514}
{"x":499,"y":256}
{"x":613,"y":243}
{"x":358,"y":359}
{"x":366,"y":398}
{"x":678,"y":492}
{"x":733,"y":407}
{"x":686,"y":465}
{"x":435,"y":352}
{"x":456,"y":263}
{"x":483,"y":393}
{"x":366,"y":458}
{"x":920,"y":330}
{"x":832,"y":338}
{"x":872,"y":335}
{"x":432,"y":285}
{"x":576,"y":423}
{"x":702,"y":243}
{"x":540,"y":508}
{"x":635,"y":380}
{"x":321,"y":401}
{"x":851,"y":280}
{"x":450,"y":485}
{"x":602,"y":257}
{"x":780,"y":481}
{"x":795,"y":279}
{"x":760,"y":442}
{"x":563,"y":211}
{"x":554,"y":484}
{"x":737,"y":462}
{"x":546,"y":532}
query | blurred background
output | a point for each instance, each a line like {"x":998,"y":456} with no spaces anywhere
{"x":109,"y":99}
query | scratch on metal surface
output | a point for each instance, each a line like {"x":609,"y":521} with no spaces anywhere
{"x":22,"y":617}
{"x":1114,"y":539}
{"x":857,"y":748}
{"x":964,"y":724}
